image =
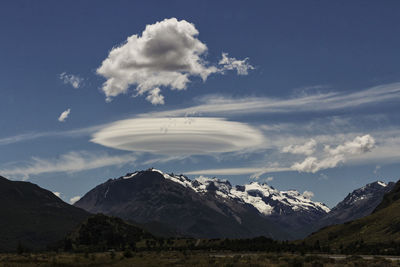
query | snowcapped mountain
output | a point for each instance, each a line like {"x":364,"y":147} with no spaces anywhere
{"x":264,"y":198}
{"x":204,"y":207}
{"x":357,"y":204}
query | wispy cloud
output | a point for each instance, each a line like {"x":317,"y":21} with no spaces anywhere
{"x":73,"y":80}
{"x":218,"y":105}
{"x":238,"y":171}
{"x":86,"y":131}
{"x":70,"y":163}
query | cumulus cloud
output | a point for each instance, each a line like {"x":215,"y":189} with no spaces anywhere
{"x":242,"y":67}
{"x":64,"y":115}
{"x":58,"y":194}
{"x":179,"y":136}
{"x":333,"y":156}
{"x":74,"y":199}
{"x":166,"y":54}
{"x":313,"y":165}
{"x":308,"y":194}
{"x":73,"y":80}
{"x":155,"y":97}
{"x":306,"y":149}
{"x":360,"y":145}
{"x":70,"y":163}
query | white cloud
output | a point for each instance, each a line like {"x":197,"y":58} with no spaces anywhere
{"x":220,"y":105}
{"x":86,"y":131}
{"x":58,"y":194}
{"x":179,"y":136}
{"x":64,"y":115}
{"x":242,"y":67}
{"x":74,"y":80}
{"x":313,"y":165}
{"x":238,"y":171}
{"x":70,"y":162}
{"x":74,"y":199}
{"x":360,"y":145}
{"x":306,"y":149}
{"x":333,"y":156}
{"x":154,"y":97}
{"x":308,"y":194}
{"x":167,"y":54}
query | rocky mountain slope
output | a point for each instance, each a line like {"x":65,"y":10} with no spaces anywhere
{"x":357,"y":204}
{"x":380,"y":228}
{"x":204,"y":207}
{"x":33,"y":216}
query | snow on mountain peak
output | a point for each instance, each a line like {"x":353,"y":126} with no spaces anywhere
{"x":261,"y":196}
{"x":383,"y":184}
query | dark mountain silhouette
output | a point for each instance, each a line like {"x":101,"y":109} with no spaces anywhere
{"x":33,"y":217}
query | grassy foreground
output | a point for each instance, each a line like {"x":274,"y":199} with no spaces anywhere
{"x":190,"y":258}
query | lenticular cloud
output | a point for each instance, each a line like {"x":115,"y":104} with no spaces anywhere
{"x":167,"y":54}
{"x":187,"y":136}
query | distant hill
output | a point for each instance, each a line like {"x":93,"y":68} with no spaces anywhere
{"x":381,"y":227}
{"x":357,"y":204}
{"x":203,"y":208}
{"x":33,"y":217}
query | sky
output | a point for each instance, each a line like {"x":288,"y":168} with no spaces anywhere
{"x":298,"y":94}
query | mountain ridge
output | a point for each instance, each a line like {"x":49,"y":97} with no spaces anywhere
{"x":33,"y":216}
{"x":249,"y":210}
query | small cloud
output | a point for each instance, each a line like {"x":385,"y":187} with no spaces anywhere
{"x":154,"y":97}
{"x":73,"y":80}
{"x":64,"y":115}
{"x":306,"y":149}
{"x":58,"y":194}
{"x":242,"y":67}
{"x":74,"y":199}
{"x":308,"y":194}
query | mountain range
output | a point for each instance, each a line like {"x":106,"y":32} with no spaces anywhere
{"x":176,"y":206}
{"x":212,"y":207}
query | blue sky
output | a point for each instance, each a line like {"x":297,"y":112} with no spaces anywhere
{"x":302,"y":94}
